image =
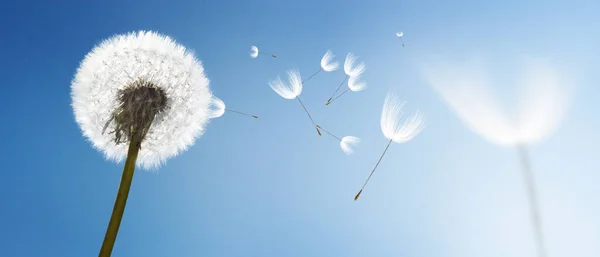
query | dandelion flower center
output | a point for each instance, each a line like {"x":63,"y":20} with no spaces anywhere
{"x":139,"y":103}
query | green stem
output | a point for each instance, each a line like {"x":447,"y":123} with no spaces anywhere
{"x":121,"y":201}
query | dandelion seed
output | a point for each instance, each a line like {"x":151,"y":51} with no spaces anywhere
{"x":152,"y":97}
{"x":399,"y":36}
{"x":254,"y":53}
{"x":292,"y":90}
{"x":219,"y":109}
{"x":353,"y":85}
{"x":352,"y":69}
{"x":467,"y":91}
{"x":347,"y":143}
{"x":396,"y":127}
{"x":327,"y":64}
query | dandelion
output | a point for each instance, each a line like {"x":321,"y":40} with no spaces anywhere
{"x":254,"y":53}
{"x":353,"y":85}
{"x":219,"y":109}
{"x":292,"y":91}
{"x":327,"y":64}
{"x":143,"y":98}
{"x":396,"y":127}
{"x":347,"y":143}
{"x":467,"y":91}
{"x":352,"y":69}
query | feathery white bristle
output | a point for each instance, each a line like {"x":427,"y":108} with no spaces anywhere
{"x":356,"y":85}
{"x":327,"y":63}
{"x":394,"y":123}
{"x":218,"y":108}
{"x":351,"y":66}
{"x":253,"y":52}
{"x":348,"y":143}
{"x":289,"y":90}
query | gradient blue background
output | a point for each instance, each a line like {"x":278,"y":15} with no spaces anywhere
{"x":272,"y":187}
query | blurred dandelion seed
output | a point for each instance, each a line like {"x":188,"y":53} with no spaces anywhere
{"x":353,"y":86}
{"x":292,"y":90}
{"x":254,"y":53}
{"x":352,"y":69}
{"x":327,"y":64}
{"x":219,"y":109}
{"x":151,"y":94}
{"x":399,"y":36}
{"x":347,"y":143}
{"x":396,"y":127}
{"x":467,"y":91}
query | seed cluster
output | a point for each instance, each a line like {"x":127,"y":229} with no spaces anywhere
{"x":139,"y":103}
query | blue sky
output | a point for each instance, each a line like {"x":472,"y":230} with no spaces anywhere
{"x":271,"y":187}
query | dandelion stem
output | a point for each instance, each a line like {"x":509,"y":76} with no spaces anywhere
{"x":338,"y":96}
{"x":242,"y":113}
{"x":121,"y":201}
{"x":328,"y":133}
{"x":338,"y":89}
{"x":533,"y":200}
{"x":380,"y":158}
{"x":321,"y":69}
{"x":310,"y":117}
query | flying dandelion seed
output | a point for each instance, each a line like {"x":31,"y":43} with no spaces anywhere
{"x":347,"y":143}
{"x":327,"y":64}
{"x":152,"y":95}
{"x":396,"y":127}
{"x":352,"y":69}
{"x":467,"y":91}
{"x":353,"y":85}
{"x":399,"y":36}
{"x":219,"y":109}
{"x":292,"y":91}
{"x":254,"y":53}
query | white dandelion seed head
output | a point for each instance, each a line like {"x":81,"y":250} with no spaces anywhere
{"x":349,"y":143}
{"x":395,"y":124}
{"x":356,"y":85}
{"x":289,"y":90}
{"x":253,"y":52}
{"x":327,"y":63}
{"x":544,"y":101}
{"x":351,"y":66}
{"x":468,"y":91}
{"x":121,"y":60}
{"x":217,"y":108}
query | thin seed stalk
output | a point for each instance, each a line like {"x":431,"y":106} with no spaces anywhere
{"x":336,"y":90}
{"x":329,"y":133}
{"x":121,"y":201}
{"x":242,"y":113}
{"x":310,"y":117}
{"x":334,"y":98}
{"x":272,"y":55}
{"x":373,"y":171}
{"x":534,"y":206}
{"x":321,"y":69}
